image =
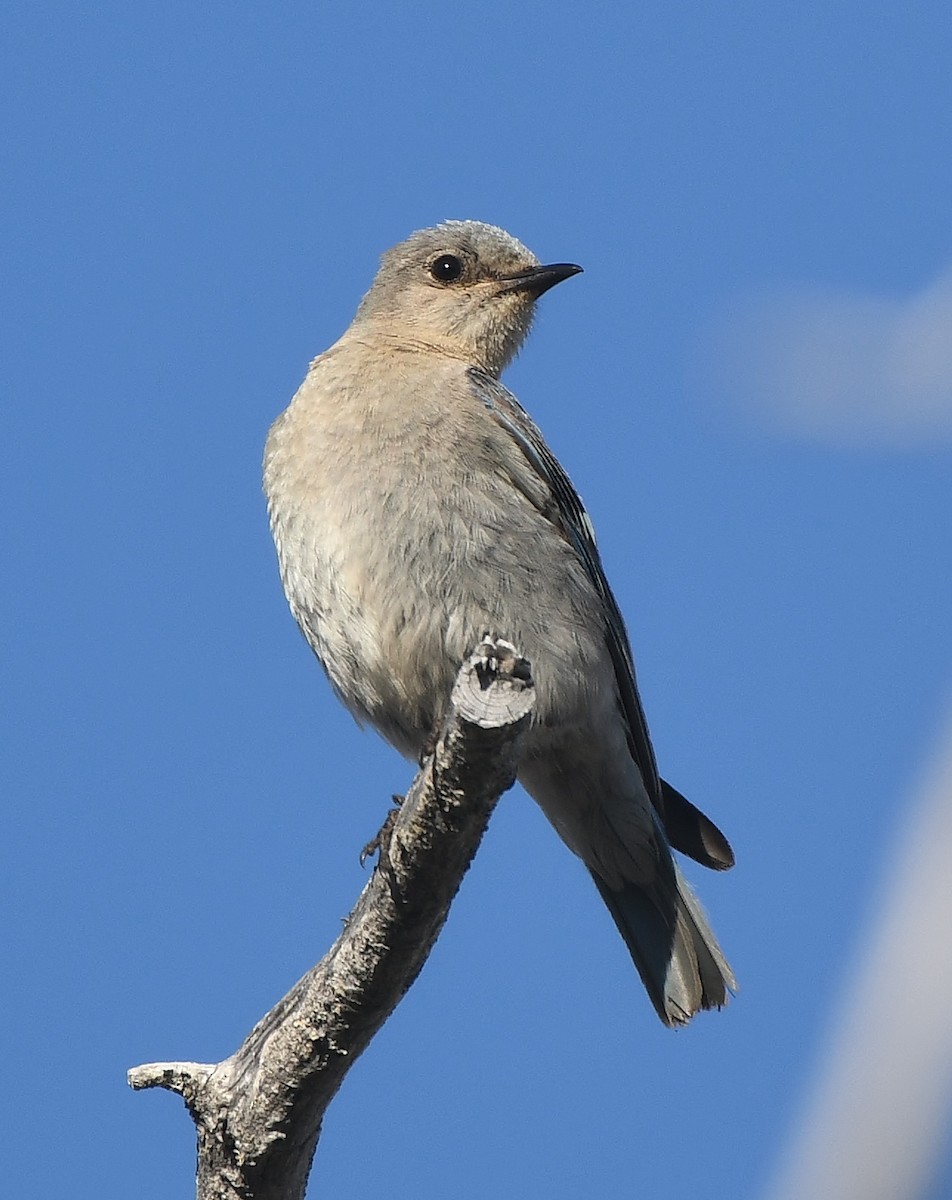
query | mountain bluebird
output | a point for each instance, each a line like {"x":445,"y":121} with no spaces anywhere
{"x":415,"y":508}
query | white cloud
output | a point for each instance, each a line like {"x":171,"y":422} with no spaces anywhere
{"x":843,"y":369}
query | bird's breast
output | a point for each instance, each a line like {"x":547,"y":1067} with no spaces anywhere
{"x":405,"y":534}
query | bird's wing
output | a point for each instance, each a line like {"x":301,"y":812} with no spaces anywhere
{"x":575,"y":525}
{"x":688,"y":829}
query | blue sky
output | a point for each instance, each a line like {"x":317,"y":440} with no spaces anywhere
{"x":750,"y":386}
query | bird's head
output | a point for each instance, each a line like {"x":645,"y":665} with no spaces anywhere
{"x":462,"y":287}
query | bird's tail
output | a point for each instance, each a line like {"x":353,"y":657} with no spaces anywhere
{"x":672,"y":945}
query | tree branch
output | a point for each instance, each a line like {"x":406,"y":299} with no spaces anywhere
{"x":258,"y":1113}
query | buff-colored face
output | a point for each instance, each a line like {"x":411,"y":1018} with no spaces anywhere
{"x":465,"y":288}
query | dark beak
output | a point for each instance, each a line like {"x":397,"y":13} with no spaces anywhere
{"x":536,"y":280}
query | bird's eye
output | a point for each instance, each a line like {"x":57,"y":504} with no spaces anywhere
{"x":446,"y":268}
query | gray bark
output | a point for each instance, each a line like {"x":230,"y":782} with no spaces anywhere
{"x":258,"y":1113}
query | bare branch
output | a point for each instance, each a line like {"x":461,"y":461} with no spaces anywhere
{"x":258,"y":1113}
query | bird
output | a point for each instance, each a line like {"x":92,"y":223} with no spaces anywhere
{"x":415,"y":506}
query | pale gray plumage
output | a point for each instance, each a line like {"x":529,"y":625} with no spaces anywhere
{"x":415,"y":508}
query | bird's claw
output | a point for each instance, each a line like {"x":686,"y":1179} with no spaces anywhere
{"x":379,"y":844}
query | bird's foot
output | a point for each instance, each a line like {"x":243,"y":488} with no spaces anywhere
{"x":379,"y":844}
{"x":501,"y":660}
